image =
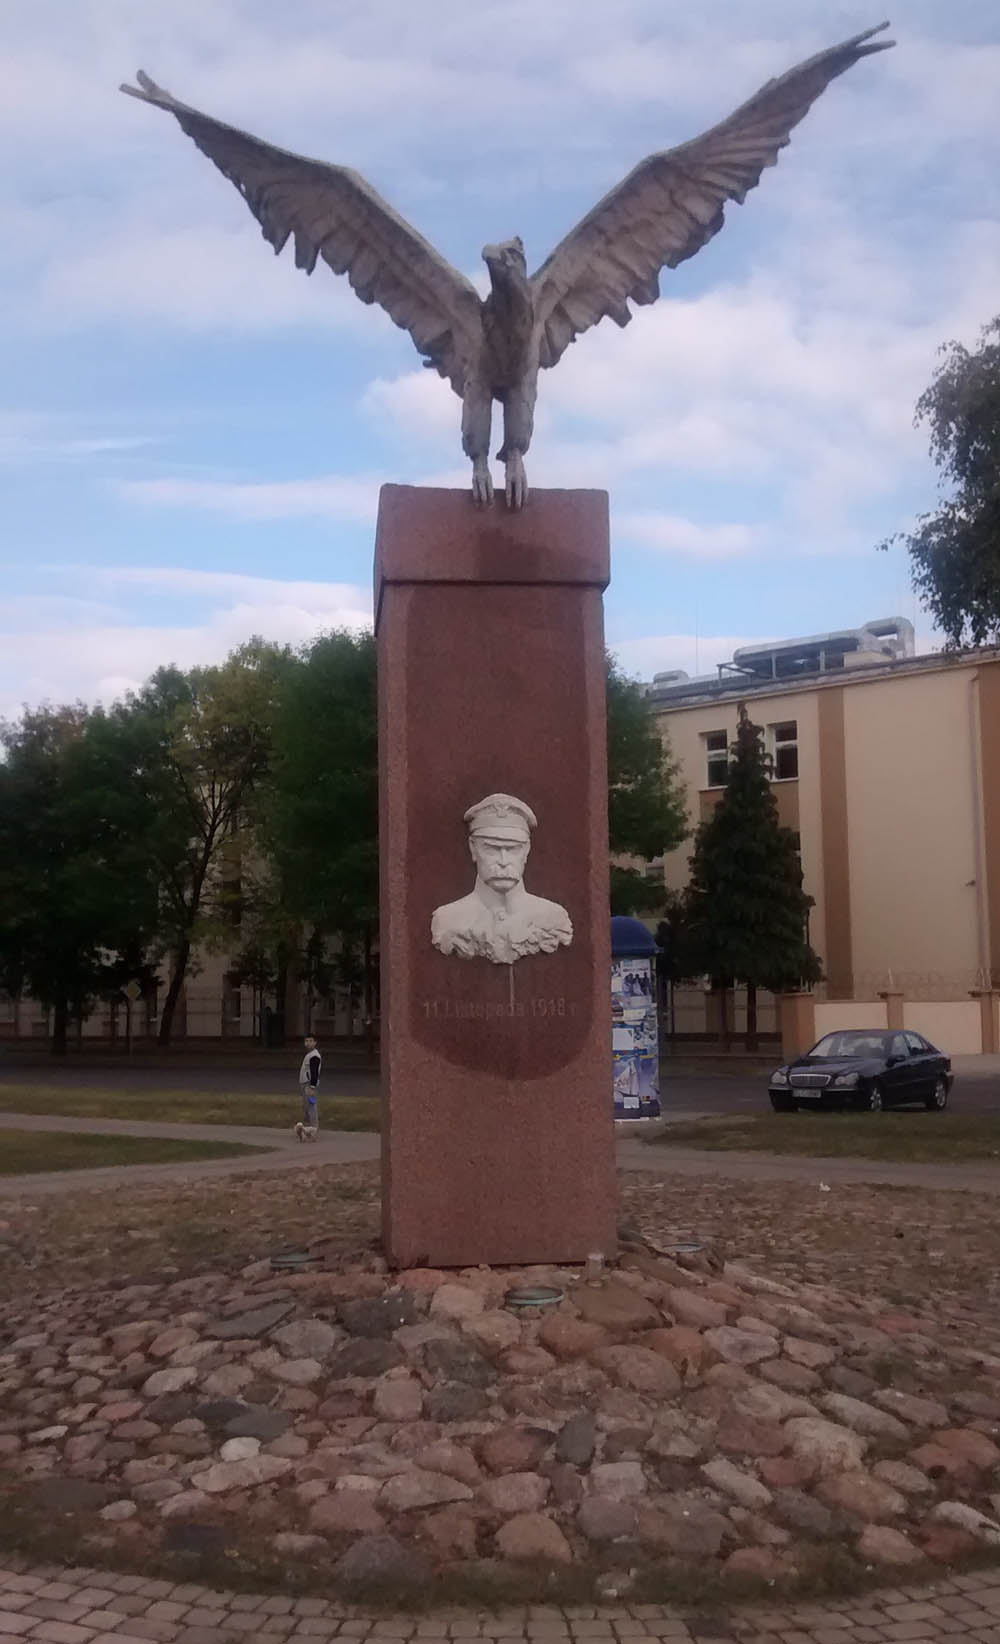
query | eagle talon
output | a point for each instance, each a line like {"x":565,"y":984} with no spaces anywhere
{"x":482,"y":483}
{"x":515,"y":481}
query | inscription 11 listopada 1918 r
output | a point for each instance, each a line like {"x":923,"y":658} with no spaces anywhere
{"x":467,"y":1010}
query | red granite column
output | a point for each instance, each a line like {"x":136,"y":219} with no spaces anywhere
{"x":498,"y":1141}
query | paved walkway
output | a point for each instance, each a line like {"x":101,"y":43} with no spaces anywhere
{"x":280,"y":1150}
{"x":80,"y":1606}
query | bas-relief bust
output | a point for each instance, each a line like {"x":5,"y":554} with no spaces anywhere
{"x":500,"y":920}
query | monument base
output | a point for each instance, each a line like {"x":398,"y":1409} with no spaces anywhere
{"x":497,"y":1134}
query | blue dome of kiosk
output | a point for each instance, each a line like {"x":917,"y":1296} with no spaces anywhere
{"x":630,"y":938}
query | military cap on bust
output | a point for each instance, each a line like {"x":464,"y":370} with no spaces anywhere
{"x":501,"y":816}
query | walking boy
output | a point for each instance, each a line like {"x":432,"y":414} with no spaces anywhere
{"x":309,"y":1073}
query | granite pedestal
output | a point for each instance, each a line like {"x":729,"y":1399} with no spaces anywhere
{"x":498,"y":1142}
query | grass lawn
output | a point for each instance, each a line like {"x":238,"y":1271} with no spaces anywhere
{"x":196,"y":1225}
{"x":24,"y":1152}
{"x":918,"y":1137}
{"x":276,"y":1110}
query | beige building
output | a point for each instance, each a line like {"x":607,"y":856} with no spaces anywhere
{"x":887,"y":765}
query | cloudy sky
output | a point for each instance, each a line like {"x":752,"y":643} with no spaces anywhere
{"x":192,"y":433}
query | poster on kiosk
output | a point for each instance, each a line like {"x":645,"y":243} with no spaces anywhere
{"x":635,"y":1047}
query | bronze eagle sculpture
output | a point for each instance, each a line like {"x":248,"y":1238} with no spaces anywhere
{"x":489,"y":349}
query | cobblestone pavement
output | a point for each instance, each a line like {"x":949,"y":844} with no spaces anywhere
{"x":52,"y":1605}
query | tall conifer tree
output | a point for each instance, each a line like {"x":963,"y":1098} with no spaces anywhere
{"x":747,"y":908}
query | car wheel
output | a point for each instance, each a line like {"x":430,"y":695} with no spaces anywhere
{"x":783,"y":1104}
{"x":874,"y":1102}
{"x":937,"y":1101}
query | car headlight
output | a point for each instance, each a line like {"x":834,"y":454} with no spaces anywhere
{"x":779,"y":1078}
{"x":846,"y":1081}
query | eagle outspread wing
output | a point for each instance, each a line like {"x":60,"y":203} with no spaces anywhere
{"x":332,"y":213}
{"x":673,"y":202}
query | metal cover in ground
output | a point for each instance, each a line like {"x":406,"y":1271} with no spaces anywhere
{"x":533,"y":1295}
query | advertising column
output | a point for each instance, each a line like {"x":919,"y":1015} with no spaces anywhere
{"x":635,"y":1048}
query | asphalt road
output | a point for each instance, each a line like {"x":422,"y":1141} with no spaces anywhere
{"x":685,"y":1091}
{"x":976,"y":1090}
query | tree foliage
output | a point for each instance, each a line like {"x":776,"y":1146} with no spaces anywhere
{"x":78,"y":899}
{"x":955,"y":551}
{"x":206,"y":737}
{"x":236,"y":807}
{"x":319,"y":816}
{"x":646,"y":810}
{"x":746,"y":908}
{"x":318,"y":819}
{"x":676,"y":959}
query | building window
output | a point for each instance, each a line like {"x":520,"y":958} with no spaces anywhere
{"x":785,"y":750}
{"x":716,"y":758}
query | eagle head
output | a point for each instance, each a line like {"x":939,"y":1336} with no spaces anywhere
{"x":505,"y":260}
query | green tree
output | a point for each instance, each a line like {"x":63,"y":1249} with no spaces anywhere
{"x":646,"y":810}
{"x":78,"y":899}
{"x":747,"y":911}
{"x":675,"y":961}
{"x":206,"y":739}
{"x":318,"y":824}
{"x":955,"y":551}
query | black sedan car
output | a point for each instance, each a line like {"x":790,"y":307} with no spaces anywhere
{"x":864,"y":1068}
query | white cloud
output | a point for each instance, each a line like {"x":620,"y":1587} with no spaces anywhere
{"x":419,"y":405}
{"x":952,"y":84}
{"x":196,"y":277}
{"x":694,"y":654}
{"x":180,"y":580}
{"x":344,"y":81}
{"x":332,"y":497}
{"x":61,"y":648}
{"x":670,"y":534}
{"x":32,"y":436}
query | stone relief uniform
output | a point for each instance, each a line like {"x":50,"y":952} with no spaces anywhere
{"x":472,"y":929}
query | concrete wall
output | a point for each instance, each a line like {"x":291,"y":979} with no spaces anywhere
{"x":832,"y":1015}
{"x":911,"y":786}
{"x":954,"y":1026}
